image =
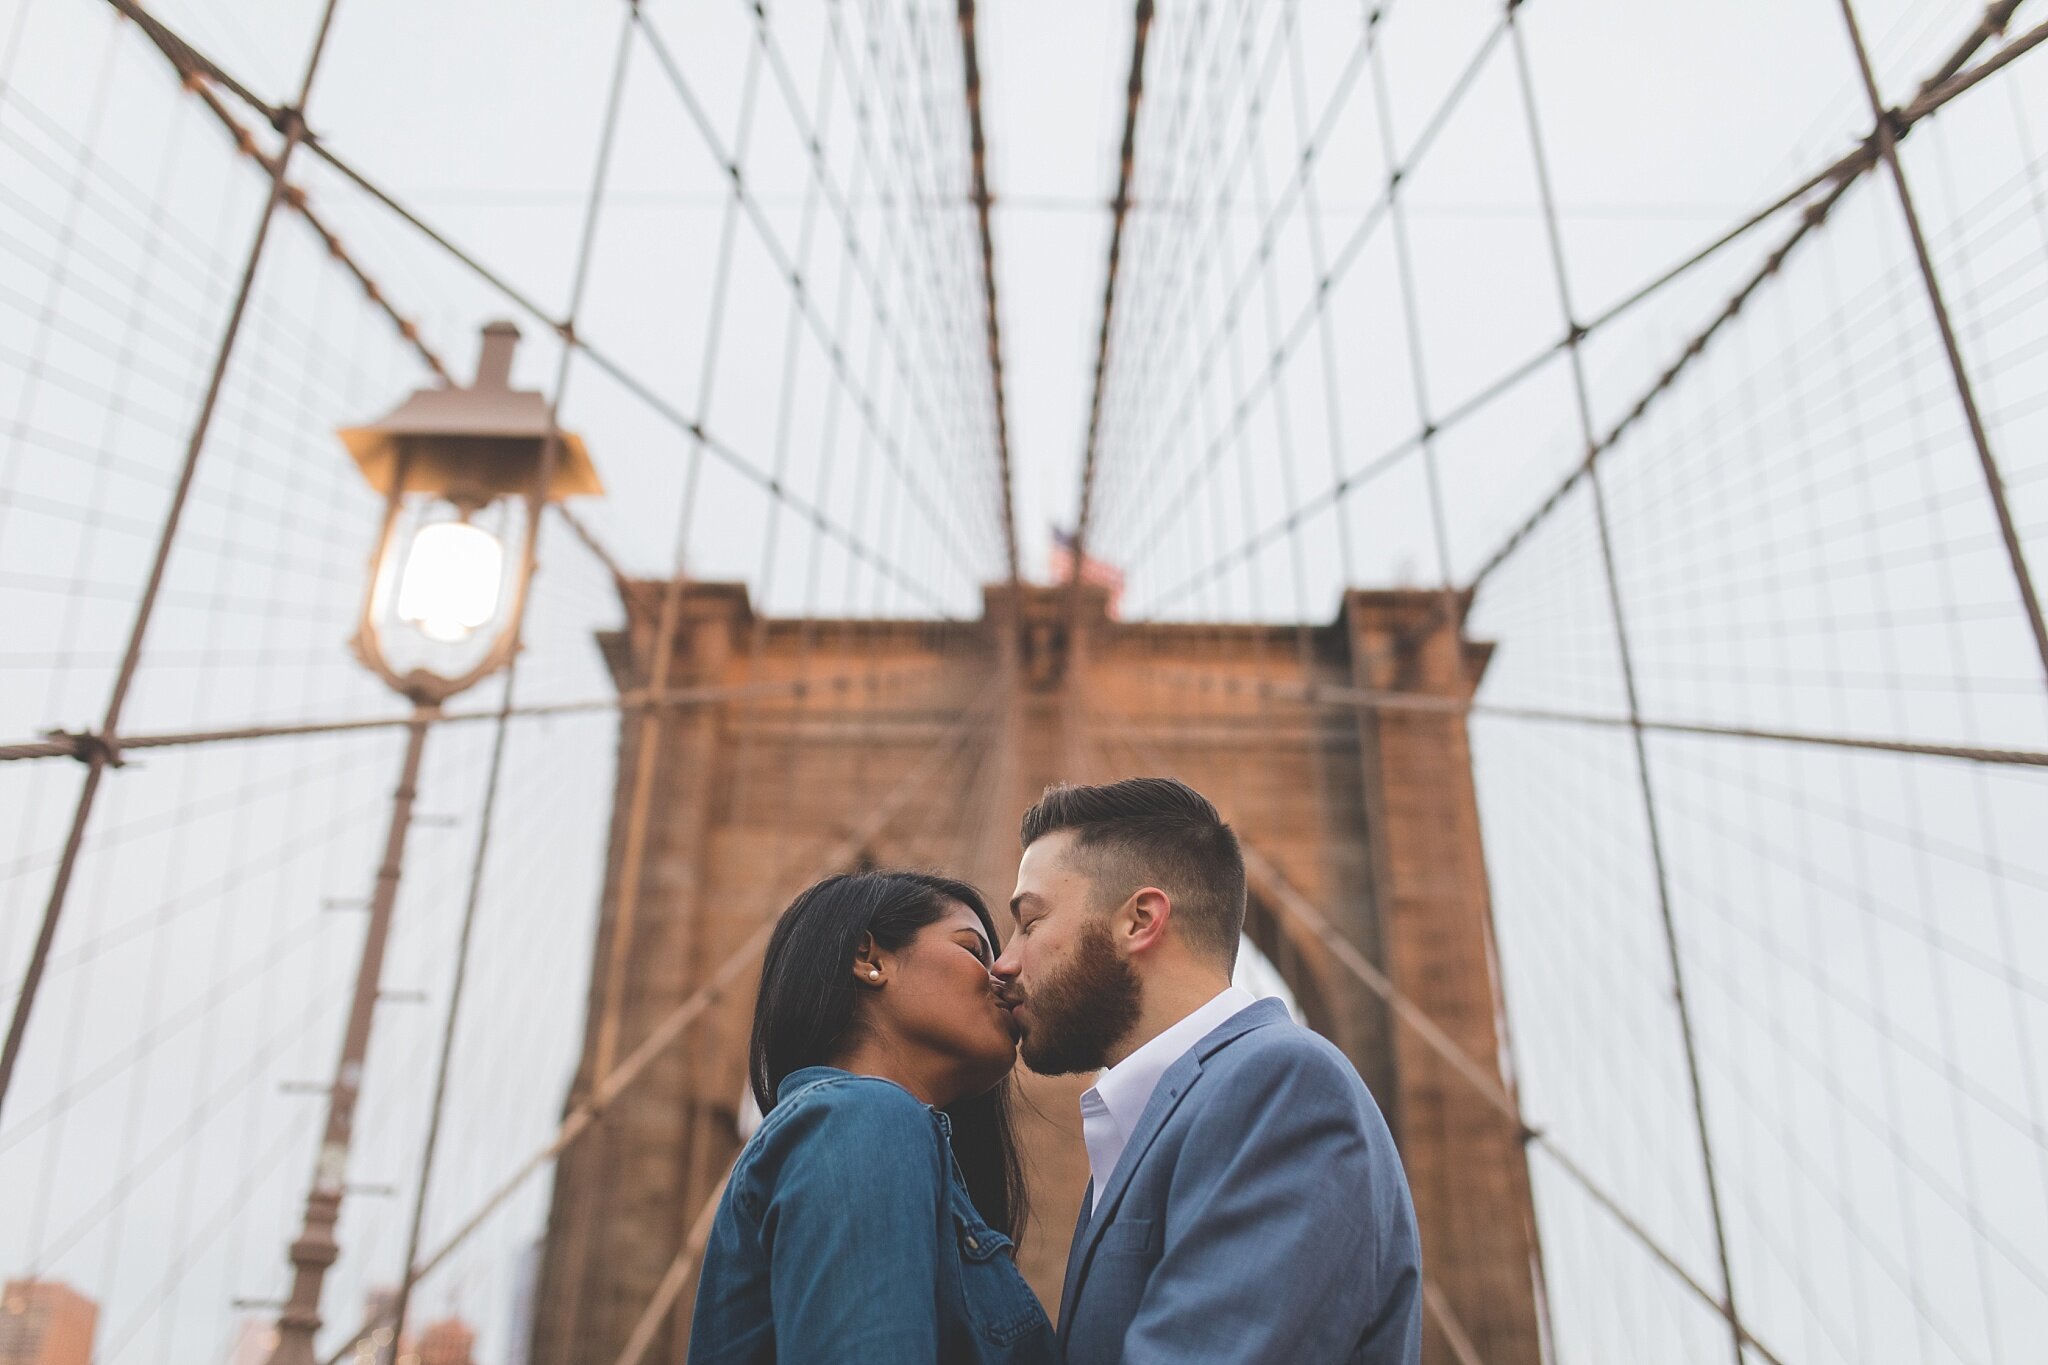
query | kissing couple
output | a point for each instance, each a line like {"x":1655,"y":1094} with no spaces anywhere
{"x":1247,"y":1203}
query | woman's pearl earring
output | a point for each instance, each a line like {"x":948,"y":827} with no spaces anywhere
{"x":874,"y":973}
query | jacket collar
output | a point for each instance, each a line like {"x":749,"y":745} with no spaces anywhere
{"x":803,"y":1078}
{"x":1174,"y":1085}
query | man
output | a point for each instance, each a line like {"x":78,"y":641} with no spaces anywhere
{"x":1247,"y":1203}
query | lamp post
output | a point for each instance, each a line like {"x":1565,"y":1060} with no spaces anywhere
{"x":463,"y":472}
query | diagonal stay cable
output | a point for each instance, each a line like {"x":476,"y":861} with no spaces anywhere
{"x":293,"y":126}
{"x":1325,"y":290}
{"x":585,"y":257}
{"x":623,"y":905}
{"x":1950,"y":82}
{"x":82,"y":745}
{"x":675,"y":1025}
{"x":1840,"y":176}
{"x":187,"y":60}
{"x":792,"y":275}
{"x":2024,"y":758}
{"x":296,"y":199}
{"x":1995,"y":17}
{"x":408,"y":329}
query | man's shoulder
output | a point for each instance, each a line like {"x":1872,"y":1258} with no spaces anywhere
{"x":1280,"y":1055}
{"x":1274,"y":1038}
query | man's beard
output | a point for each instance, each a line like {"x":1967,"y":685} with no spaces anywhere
{"x":1079,"y":1015}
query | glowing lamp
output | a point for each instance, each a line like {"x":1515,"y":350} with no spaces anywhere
{"x":449,"y":584}
{"x":460,"y":473}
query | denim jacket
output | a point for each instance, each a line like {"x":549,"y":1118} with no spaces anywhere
{"x":845,"y":1234}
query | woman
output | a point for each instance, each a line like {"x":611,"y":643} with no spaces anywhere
{"x":873,"y":1216}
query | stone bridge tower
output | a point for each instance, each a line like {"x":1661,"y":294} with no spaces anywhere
{"x":920,"y":744}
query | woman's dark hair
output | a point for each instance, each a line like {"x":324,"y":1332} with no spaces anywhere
{"x":807,"y":1011}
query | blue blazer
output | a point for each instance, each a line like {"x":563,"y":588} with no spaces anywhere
{"x":1258,"y":1214}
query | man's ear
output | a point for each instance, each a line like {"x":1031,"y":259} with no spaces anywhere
{"x":1145,"y":917}
{"x":869,"y":966}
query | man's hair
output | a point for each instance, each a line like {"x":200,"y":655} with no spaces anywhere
{"x":1153,"y":831}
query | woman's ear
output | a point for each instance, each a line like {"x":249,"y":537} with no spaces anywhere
{"x":868,"y":967}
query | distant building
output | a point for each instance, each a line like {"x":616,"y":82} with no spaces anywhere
{"x":43,"y":1322}
{"x":450,"y":1341}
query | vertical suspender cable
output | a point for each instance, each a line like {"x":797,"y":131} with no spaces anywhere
{"x":1628,"y":678}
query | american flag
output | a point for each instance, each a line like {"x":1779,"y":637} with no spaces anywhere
{"x":1093,"y":570}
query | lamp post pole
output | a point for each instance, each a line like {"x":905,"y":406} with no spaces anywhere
{"x":434,"y":583}
{"x":315,"y":1250}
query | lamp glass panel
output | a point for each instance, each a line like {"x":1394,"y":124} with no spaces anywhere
{"x":450,"y":584}
{"x":444,"y":586}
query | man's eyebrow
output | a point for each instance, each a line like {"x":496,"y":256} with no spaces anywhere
{"x":1017,"y":902}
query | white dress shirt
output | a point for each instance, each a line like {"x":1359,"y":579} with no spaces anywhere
{"x":1111,"y":1107}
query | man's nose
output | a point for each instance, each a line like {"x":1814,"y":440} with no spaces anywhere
{"x":1004,"y":968}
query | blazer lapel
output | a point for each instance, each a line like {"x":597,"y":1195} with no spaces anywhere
{"x":1178,"y":1080}
{"x":1166,"y":1097}
{"x":1073,"y":1277}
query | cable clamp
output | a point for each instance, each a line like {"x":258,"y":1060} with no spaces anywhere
{"x":89,"y":747}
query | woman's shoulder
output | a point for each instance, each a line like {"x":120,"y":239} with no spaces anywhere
{"x":826,"y":1095}
{"x":855,"y":1124}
